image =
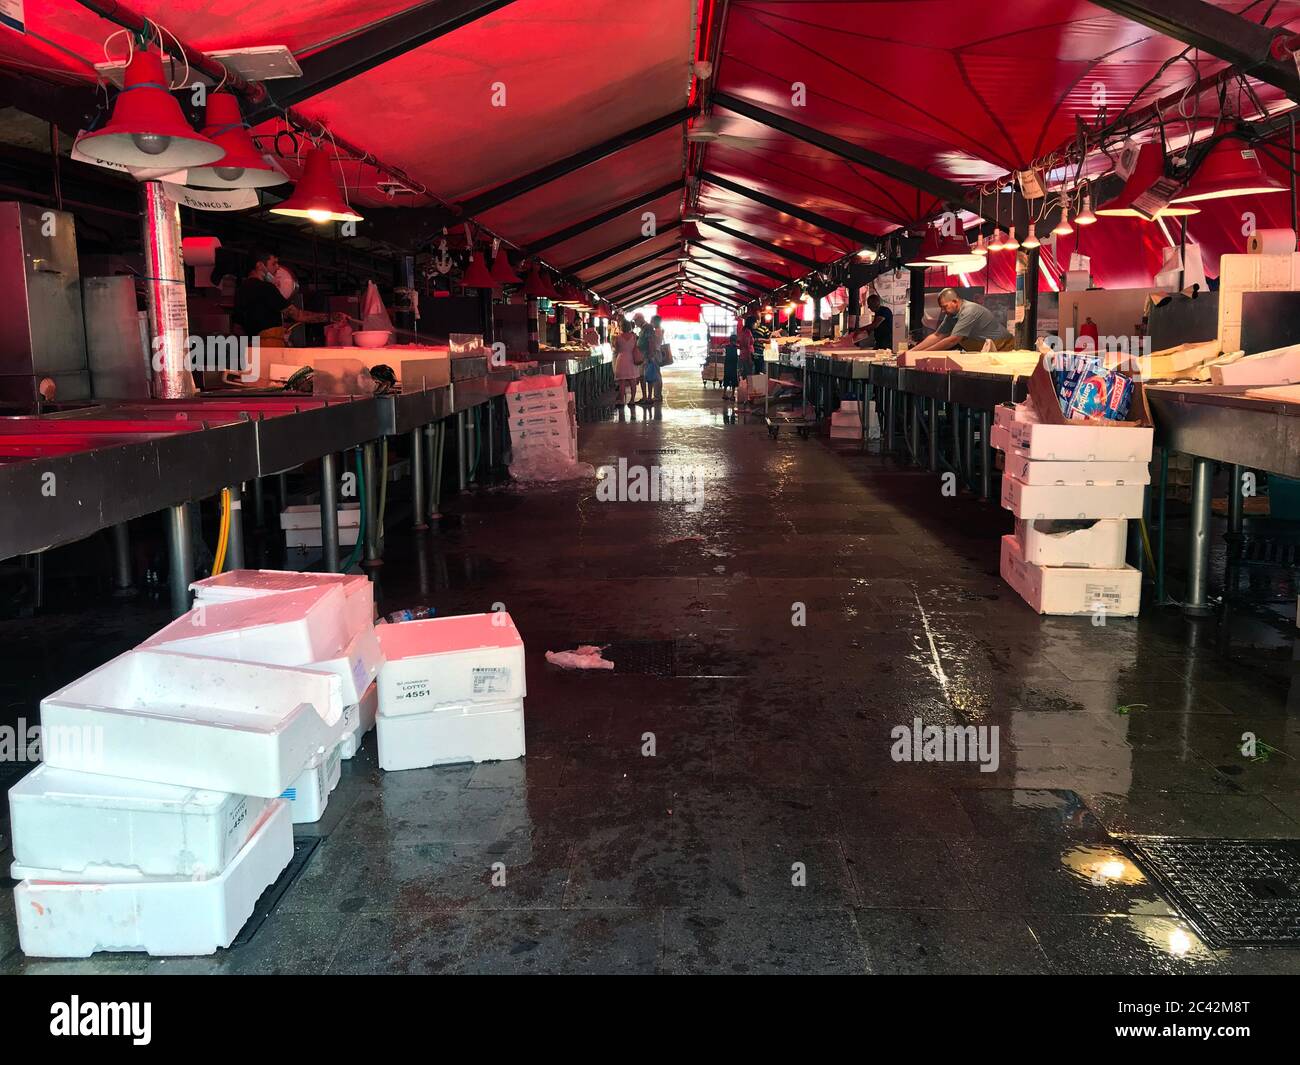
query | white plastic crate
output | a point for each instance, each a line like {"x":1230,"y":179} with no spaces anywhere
{"x":309,"y":794}
{"x":1070,"y":590}
{"x":471,"y":732}
{"x":96,"y":826}
{"x":358,"y":719}
{"x":450,"y":661}
{"x":1071,"y":501}
{"x":164,"y":917}
{"x":196,"y":722}
{"x":239,"y":584}
{"x":1098,"y":544}
{"x":306,"y":628}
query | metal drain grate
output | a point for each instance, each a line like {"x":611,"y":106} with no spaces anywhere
{"x":653,"y":658}
{"x":303,"y":848}
{"x":657,"y":451}
{"x":1234,"y":892}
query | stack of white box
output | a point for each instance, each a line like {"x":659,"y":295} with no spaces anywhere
{"x":155,"y":822}
{"x":846,"y":422}
{"x":451,"y":690}
{"x":1072,"y":489}
{"x":542,"y":418}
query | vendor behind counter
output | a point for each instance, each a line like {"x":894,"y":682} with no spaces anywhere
{"x":966,"y":325}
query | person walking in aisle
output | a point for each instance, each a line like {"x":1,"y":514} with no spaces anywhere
{"x":745,"y":341}
{"x":731,"y":367}
{"x":626,"y":370}
{"x":653,"y":351}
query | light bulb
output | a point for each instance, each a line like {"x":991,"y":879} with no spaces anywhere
{"x":1010,"y":244}
{"x":319,"y":216}
{"x":1085,"y":217}
{"x":228,"y":173}
{"x":1030,"y":241}
{"x":1062,"y":228}
{"x":151,"y":143}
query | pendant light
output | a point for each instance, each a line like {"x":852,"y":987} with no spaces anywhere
{"x":1010,"y":244}
{"x":502,"y":274}
{"x":951,"y":249}
{"x":1063,"y":227}
{"x":1148,"y":169}
{"x":243,"y":166}
{"x":477,"y":274}
{"x":929,"y":248}
{"x":1230,"y":168}
{"x":535,"y":286}
{"x":147,"y":127}
{"x":980,"y":248}
{"x":1085,"y":217}
{"x":316,"y":196}
{"x":1031,"y":238}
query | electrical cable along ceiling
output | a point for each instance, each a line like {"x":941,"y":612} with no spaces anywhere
{"x":538,"y":118}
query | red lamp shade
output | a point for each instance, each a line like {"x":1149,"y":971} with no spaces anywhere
{"x":952,"y":249}
{"x":535,"y":286}
{"x":242,"y":167}
{"x":502,"y":274}
{"x":603,"y":310}
{"x":316,"y":196}
{"x":1146,"y":172}
{"x":477,"y":274}
{"x":548,"y":283}
{"x":564,"y":295}
{"x":930,"y":247}
{"x":147,"y":127}
{"x":1230,"y":169}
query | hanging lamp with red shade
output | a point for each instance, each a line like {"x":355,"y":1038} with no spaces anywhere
{"x":243,"y":166}
{"x":316,"y":196}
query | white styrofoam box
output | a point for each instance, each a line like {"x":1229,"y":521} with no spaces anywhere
{"x":1099,"y":544}
{"x":1083,"y":443}
{"x":1036,"y":471}
{"x":307,"y":516}
{"x":293,"y":629}
{"x":254,"y":583}
{"x":348,"y":536}
{"x":1071,"y":590}
{"x":195,"y":722}
{"x":1004,"y":414}
{"x":308,"y":795}
{"x":1071,"y":501}
{"x":450,"y":661}
{"x":79,"y":823}
{"x":448,"y":735}
{"x":165,"y":916}
{"x":846,"y":419}
{"x":358,"y":719}
{"x":999,"y":438}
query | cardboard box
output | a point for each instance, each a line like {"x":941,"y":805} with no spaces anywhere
{"x":1082,"y":442}
{"x":1000,"y":438}
{"x":1098,"y":544}
{"x":1071,"y":501}
{"x":1034,"y":471}
{"x":1068,"y":590}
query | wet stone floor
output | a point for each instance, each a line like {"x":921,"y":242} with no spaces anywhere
{"x":816,"y":599}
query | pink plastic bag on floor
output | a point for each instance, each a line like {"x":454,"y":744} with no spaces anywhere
{"x":585,"y":657}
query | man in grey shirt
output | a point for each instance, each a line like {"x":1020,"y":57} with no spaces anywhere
{"x":966,"y":325}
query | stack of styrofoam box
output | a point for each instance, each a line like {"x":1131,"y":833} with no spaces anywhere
{"x":451,"y":690}
{"x":542,"y":418}
{"x":362,"y":654}
{"x":846,"y":422}
{"x":155,"y":822}
{"x":1072,"y":489}
{"x":301,"y":524}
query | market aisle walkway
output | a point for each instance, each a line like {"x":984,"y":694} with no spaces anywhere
{"x":771,"y":640}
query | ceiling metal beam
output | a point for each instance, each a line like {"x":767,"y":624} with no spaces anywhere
{"x":578,"y":228}
{"x":775,"y":249}
{"x":783,"y":278}
{"x":511,"y":189}
{"x":597,"y":281}
{"x":1237,"y":40}
{"x":632,"y":282}
{"x":618,"y":249}
{"x":716,"y":281}
{"x":634,"y":290}
{"x":718,"y":293}
{"x":933,"y":184}
{"x":372,"y":46}
{"x":802,"y":213}
{"x":741,"y":282}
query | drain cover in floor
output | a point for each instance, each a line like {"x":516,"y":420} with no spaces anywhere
{"x":655,"y":658}
{"x":303,"y":848}
{"x":1234,"y":892}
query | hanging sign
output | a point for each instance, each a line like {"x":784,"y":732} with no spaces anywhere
{"x":211,"y":199}
{"x":11,"y":15}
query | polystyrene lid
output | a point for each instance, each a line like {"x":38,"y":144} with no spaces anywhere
{"x":72,"y":787}
{"x":468,"y":632}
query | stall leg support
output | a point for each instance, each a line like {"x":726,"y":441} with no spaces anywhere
{"x":418,"y":512}
{"x":371,"y":466}
{"x":329,"y":513}
{"x":1196,"y":602}
{"x":180,"y":556}
{"x":986,"y":458}
{"x":123,"y":572}
{"x":235,"y":545}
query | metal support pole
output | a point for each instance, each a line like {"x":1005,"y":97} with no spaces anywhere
{"x":370,"y":464}
{"x":259,"y":503}
{"x":970,"y":447}
{"x":986,"y":458}
{"x":932,"y":458}
{"x":887,"y":442}
{"x":462,"y":467}
{"x":123,"y":574}
{"x":1160,"y":511}
{"x":438,"y":446}
{"x":282,"y":490}
{"x":329,"y":513}
{"x":954,"y":418}
{"x":164,"y":289}
{"x":235,"y":539}
{"x":1198,"y":560}
{"x":1235,"y":504}
{"x":916,"y":402}
{"x":180,"y":556}
{"x":418,"y":512}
